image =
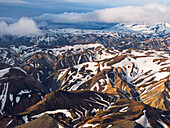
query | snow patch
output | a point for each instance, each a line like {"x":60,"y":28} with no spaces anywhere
{"x":125,"y":109}
{"x":91,"y":125}
{"x":3,"y":97}
{"x":18,"y":68}
{"x":9,"y":123}
{"x":11,"y":97}
{"x":25,"y":118}
{"x":143,"y":120}
{"x":24,"y":92}
{"x":96,"y":85}
{"x":4,"y":71}
{"x":65,"y":111}
{"x":17,"y":99}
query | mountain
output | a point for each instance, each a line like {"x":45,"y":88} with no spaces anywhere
{"x":45,"y":121}
{"x":120,"y":36}
{"x":84,"y":85}
{"x":145,"y":28}
{"x":138,"y":74}
{"x":19,"y":91}
{"x":90,"y":109}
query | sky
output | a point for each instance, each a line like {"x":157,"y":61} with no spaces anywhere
{"x":24,"y":13}
{"x":20,"y":8}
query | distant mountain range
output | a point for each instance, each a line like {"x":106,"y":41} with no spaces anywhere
{"x":120,"y":36}
{"x":84,"y":86}
{"x":144,"y":28}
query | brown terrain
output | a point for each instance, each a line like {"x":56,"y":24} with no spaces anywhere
{"x":81,"y":86}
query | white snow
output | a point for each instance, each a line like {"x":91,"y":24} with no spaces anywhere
{"x":9,"y":123}
{"x":30,"y":53}
{"x":92,"y":66}
{"x":104,"y":66}
{"x":105,"y":55}
{"x":29,"y":96}
{"x":11,"y":97}
{"x":146,"y":28}
{"x":143,"y":65}
{"x":17,"y":99}
{"x":79,"y":116}
{"x":161,"y":75}
{"x":102,"y":81}
{"x":125,"y":109}
{"x":101,"y":98}
{"x":4,"y":71}
{"x":109,"y":126}
{"x":59,"y":126}
{"x":25,"y":118}
{"x":90,"y":125}
{"x":163,"y":124}
{"x":3,"y":97}
{"x":24,"y":92}
{"x":74,"y":31}
{"x":106,"y":86}
{"x":65,"y":111}
{"x":18,"y":68}
{"x":97,"y":102}
{"x":75,"y":48}
{"x":96,"y":85}
{"x":94,"y":110}
{"x":38,"y":77}
{"x":63,"y":71}
{"x":143,"y":121}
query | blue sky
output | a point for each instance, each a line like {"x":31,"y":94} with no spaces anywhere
{"x":23,"y":17}
{"x":19,"y":8}
{"x":109,"y":11}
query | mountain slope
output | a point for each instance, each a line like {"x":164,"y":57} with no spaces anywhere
{"x":84,"y":85}
{"x":67,"y":107}
{"x":147,"y":28}
{"x":18,"y":91}
{"x":140,"y":75}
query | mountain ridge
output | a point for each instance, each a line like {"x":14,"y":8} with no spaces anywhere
{"x":77,"y":85}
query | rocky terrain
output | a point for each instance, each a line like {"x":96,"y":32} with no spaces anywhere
{"x":108,"y":39}
{"x":84,"y":85}
{"x":120,"y":36}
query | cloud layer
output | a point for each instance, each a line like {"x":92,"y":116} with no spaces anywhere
{"x":22,"y":27}
{"x":86,"y":1}
{"x":13,"y":1}
{"x":149,"y":13}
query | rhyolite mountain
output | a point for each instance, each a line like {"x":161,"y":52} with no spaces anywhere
{"x":117,"y":40}
{"x":118,"y":35}
{"x":84,"y":85}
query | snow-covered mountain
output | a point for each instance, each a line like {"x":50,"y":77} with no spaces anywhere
{"x":83,"y":85}
{"x":120,"y":36}
{"x":145,"y":28}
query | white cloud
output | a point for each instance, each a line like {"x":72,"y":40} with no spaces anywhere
{"x":149,"y":13}
{"x":115,"y":2}
{"x":13,"y":1}
{"x":7,"y":19}
{"x":22,"y":27}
